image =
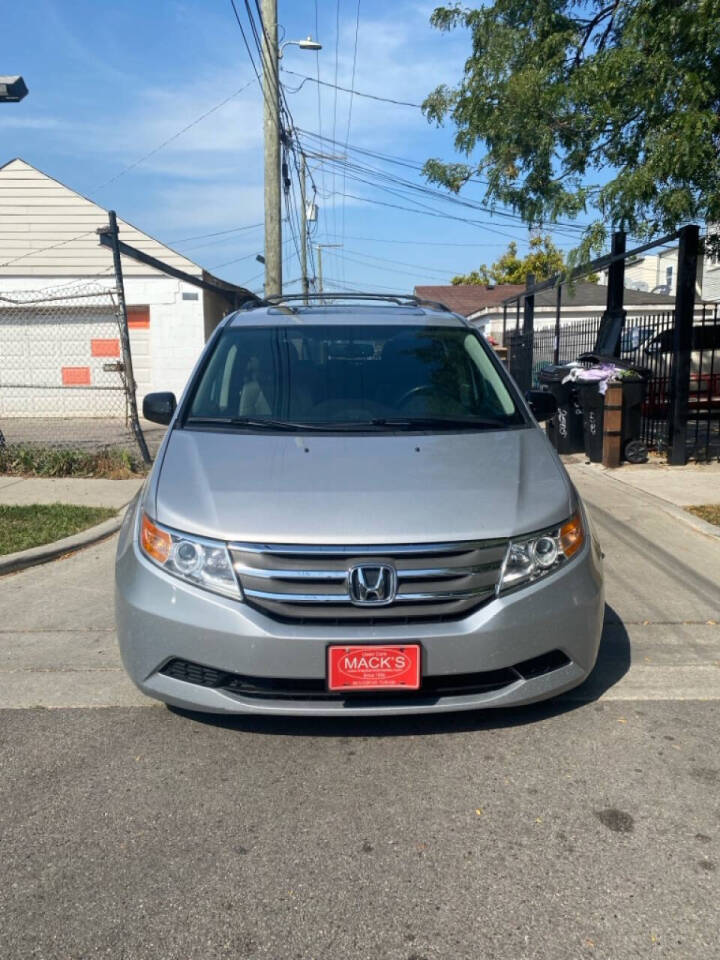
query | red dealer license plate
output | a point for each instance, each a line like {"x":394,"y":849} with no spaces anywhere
{"x":370,"y":667}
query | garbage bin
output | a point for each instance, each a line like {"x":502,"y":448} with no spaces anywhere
{"x":565,"y":430}
{"x":593,"y":407}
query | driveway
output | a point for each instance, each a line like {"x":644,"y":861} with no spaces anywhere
{"x":587,"y":827}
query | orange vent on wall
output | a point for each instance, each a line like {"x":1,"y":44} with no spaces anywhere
{"x":138,"y":318}
{"x":76,"y":376}
{"x":105,"y":348}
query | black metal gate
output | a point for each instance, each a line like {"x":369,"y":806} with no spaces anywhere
{"x":680,"y":350}
{"x":647,"y":341}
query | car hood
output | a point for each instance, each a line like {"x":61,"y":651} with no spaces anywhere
{"x":359,"y":489}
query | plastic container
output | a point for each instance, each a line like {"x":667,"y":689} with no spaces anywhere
{"x":565,"y":430}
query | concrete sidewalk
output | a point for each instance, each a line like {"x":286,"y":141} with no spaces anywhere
{"x":21,"y":491}
{"x":691,"y":485}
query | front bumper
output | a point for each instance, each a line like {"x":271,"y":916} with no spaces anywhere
{"x":161,"y":618}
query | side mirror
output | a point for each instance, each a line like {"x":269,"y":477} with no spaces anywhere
{"x":159,"y":407}
{"x":542,"y":404}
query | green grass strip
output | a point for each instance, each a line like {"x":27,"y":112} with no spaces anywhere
{"x":22,"y":527}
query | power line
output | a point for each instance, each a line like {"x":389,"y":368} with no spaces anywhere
{"x":350,"y":106}
{"x":334,"y":122}
{"x":247,"y":45}
{"x":415,"y":165}
{"x":427,"y":213}
{"x":52,"y":246}
{"x":423,"y":207}
{"x":400,"y":263}
{"x":226,"y":263}
{"x":219,"y":233}
{"x":373,"y":266}
{"x":379,"y":176}
{"x":319,"y":98}
{"x":151,"y":153}
{"x":427,"y":243}
{"x":357,"y":93}
{"x":339,"y":285}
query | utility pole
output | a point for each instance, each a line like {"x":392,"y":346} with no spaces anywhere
{"x":271,"y":128}
{"x":303,"y":231}
{"x":320,"y":247}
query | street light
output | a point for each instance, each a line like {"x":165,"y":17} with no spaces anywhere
{"x":307,"y":44}
{"x":12,"y":89}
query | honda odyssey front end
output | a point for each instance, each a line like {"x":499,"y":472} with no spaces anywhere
{"x":354,"y":511}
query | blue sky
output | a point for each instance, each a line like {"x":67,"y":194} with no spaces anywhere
{"x":109,"y":82}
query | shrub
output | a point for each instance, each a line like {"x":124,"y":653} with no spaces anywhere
{"x":28,"y":460}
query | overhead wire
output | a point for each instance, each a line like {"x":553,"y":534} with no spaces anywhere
{"x":218,"y":233}
{"x":161,"y":146}
{"x":357,"y":93}
{"x":402,"y":263}
{"x":350,"y":106}
{"x":415,"y":165}
{"x":52,"y":246}
{"x":334,"y":122}
{"x":319,"y":98}
{"x":374,"y":266}
{"x":407,"y":188}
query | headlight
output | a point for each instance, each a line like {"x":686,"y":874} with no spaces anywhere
{"x":206,"y":563}
{"x":533,"y":557}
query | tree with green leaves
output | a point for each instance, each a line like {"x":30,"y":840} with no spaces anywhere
{"x":603,"y":106}
{"x":543,"y":261}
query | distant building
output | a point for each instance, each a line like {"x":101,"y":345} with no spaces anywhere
{"x":483,"y":306}
{"x":48,"y":239}
{"x":711,"y":269}
{"x":654,"y":272}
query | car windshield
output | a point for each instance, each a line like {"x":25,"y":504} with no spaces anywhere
{"x":355,"y":376}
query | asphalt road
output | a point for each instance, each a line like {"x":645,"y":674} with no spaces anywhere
{"x":587,"y":827}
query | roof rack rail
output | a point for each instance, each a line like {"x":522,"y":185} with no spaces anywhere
{"x":399,"y":298}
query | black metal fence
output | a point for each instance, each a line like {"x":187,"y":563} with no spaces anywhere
{"x":648,"y":342}
{"x":680,"y":349}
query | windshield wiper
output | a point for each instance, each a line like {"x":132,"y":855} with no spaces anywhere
{"x":443,"y":423}
{"x":349,"y":426}
{"x":262,"y":423}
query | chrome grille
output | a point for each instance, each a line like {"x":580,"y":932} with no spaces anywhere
{"x":310,"y":584}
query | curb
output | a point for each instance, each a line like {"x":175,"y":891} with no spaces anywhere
{"x":51,"y":551}
{"x":667,"y":506}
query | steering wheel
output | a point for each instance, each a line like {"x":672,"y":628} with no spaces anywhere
{"x":419,"y":391}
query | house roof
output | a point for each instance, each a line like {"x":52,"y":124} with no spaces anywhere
{"x":49,"y":229}
{"x":595,"y":295}
{"x":471,"y":299}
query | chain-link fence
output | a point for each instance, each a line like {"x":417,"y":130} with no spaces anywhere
{"x":62,"y":370}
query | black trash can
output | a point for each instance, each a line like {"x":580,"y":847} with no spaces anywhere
{"x":565,"y":430}
{"x":593,"y":407}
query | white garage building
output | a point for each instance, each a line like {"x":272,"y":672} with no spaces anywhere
{"x":49,"y":244}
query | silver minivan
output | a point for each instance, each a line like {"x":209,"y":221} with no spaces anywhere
{"x":354,"y":511}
